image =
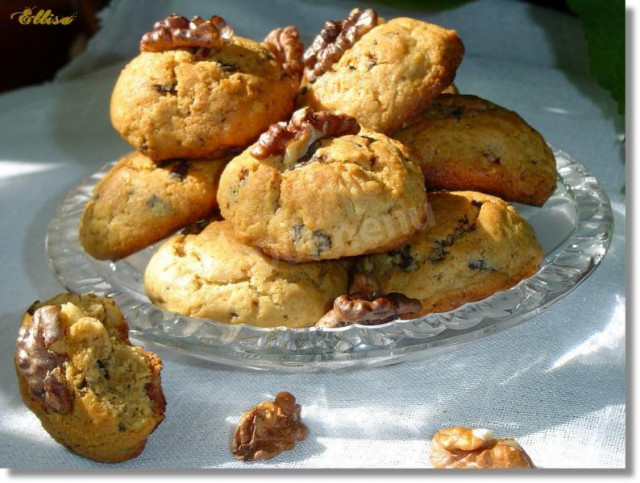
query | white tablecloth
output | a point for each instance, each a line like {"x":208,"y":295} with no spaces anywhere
{"x":556,"y":383}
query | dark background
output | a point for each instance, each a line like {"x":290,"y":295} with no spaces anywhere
{"x":34,"y":53}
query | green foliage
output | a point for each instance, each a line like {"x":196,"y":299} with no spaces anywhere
{"x":424,"y":4}
{"x":604,"y":28}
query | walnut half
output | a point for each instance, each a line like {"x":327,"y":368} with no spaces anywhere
{"x":334,"y":39}
{"x":286,"y":47}
{"x":268,"y":429}
{"x":177,"y":32}
{"x":367,"y":306}
{"x":467,"y":448}
{"x":354,"y":309}
{"x":294,"y":138}
{"x":41,"y":367}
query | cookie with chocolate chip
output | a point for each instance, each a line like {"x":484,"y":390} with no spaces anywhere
{"x":319,"y":187}
{"x":474,"y":246}
{"x":214,"y":275}
{"x":464,"y":142}
{"x":380,"y":73}
{"x":91,"y":389}
{"x":140,"y":202}
{"x":196,"y":90}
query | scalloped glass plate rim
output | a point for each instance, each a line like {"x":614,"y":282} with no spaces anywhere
{"x":352,"y":345}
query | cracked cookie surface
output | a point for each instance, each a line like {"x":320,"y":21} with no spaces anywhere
{"x":389,"y":75}
{"x":213,"y":275}
{"x":466,"y":142}
{"x":345,"y":196}
{"x":77,"y":371}
{"x":177,"y":104}
{"x":477,"y":245}
{"x":140,"y":202}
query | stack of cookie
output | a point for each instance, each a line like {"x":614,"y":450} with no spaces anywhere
{"x":331,"y":214}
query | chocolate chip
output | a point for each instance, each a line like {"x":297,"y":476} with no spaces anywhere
{"x":103,"y":369}
{"x":229,"y":67}
{"x":403,"y":258}
{"x":164,"y":89}
{"x":458,"y":112}
{"x":322,"y":242}
{"x":180,"y":169}
{"x":480,"y":265}
{"x":297,"y":233}
{"x":153,"y":201}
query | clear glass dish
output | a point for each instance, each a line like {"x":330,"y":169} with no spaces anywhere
{"x":574,"y":228}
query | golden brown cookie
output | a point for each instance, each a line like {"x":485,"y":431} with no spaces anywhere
{"x":91,"y":389}
{"x":184,"y":97}
{"x":303,"y":193}
{"x":464,"y":142}
{"x":390,"y":73}
{"x":474,"y":246}
{"x":140,"y":202}
{"x":213,"y":275}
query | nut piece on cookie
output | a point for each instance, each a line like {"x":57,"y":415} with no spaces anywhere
{"x":140,"y":202}
{"x":213,"y":275}
{"x":268,"y":429}
{"x":477,"y":245}
{"x":381,"y":73}
{"x":91,"y":389}
{"x":364,"y":305}
{"x":467,"y":448}
{"x":318,"y":187}
{"x":176,"y":32}
{"x":464,"y":142}
{"x":286,"y":47}
{"x":198,"y":91}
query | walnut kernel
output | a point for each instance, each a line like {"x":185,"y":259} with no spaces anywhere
{"x":294,"y":138}
{"x":334,"y":39}
{"x":42,"y":367}
{"x":177,"y":32}
{"x":467,"y":448}
{"x":268,"y":429}
{"x":286,"y":47}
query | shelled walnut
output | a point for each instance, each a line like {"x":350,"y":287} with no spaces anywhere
{"x":467,"y":448}
{"x":177,"y":32}
{"x":335,"y":38}
{"x":40,"y":366}
{"x":286,"y":47}
{"x":292,"y":139}
{"x":367,"y":306}
{"x":268,"y":429}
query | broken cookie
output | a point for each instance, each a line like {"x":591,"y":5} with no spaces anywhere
{"x":91,"y":389}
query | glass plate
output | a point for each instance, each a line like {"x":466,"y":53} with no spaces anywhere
{"x":574,"y":228}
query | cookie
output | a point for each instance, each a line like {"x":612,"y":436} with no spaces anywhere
{"x":391,"y":72}
{"x":91,"y":389}
{"x":140,"y":202}
{"x":474,"y":246}
{"x":184,"y":97}
{"x":213,"y":275}
{"x":320,"y":188}
{"x":464,"y":142}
